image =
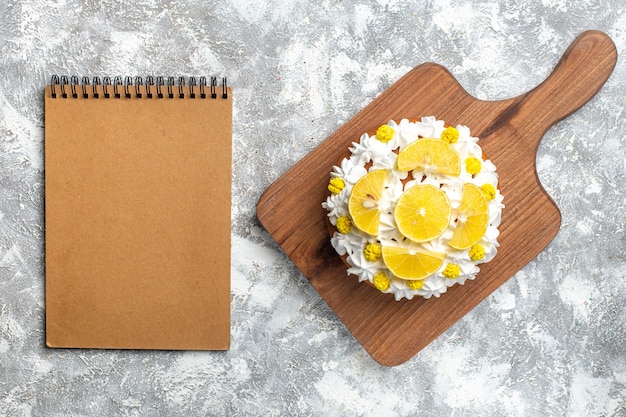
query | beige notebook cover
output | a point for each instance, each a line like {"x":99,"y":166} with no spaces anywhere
{"x":137,"y":217}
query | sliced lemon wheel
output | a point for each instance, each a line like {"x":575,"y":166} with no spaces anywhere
{"x":472,"y":218}
{"x":363,"y":204}
{"x":411,"y":264}
{"x":422,"y":213}
{"x":430,"y":155}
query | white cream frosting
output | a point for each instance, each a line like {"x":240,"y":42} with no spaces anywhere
{"x":375,"y":154}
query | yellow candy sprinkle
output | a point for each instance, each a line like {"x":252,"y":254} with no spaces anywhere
{"x":476,"y":252}
{"x":489,"y":191}
{"x":381,"y":281}
{"x":373,"y":251}
{"x":450,"y":135}
{"x":384,"y":133}
{"x":415,"y":284}
{"x":451,"y":271}
{"x":472,"y":165}
{"x":344,"y":224}
{"x":336,"y":185}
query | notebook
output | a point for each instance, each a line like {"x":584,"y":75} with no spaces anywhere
{"x":137,"y":213}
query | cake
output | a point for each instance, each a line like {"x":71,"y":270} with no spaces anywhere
{"x":415,"y":208}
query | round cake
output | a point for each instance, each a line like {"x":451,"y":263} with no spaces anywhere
{"x":415,"y":208}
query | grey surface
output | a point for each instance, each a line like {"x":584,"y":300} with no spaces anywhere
{"x":551,"y":341}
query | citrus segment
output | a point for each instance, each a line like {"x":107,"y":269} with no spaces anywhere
{"x":472,"y":218}
{"x":411,"y":264}
{"x":364,"y":199}
{"x":422,"y":213}
{"x":429,"y":155}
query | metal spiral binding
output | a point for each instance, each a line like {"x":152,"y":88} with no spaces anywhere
{"x":125,"y":87}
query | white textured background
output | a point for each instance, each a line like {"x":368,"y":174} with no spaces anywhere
{"x":550,"y":342}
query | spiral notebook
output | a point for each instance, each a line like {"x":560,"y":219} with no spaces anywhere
{"x":137,"y":213}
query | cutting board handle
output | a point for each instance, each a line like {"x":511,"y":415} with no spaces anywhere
{"x":579,"y":75}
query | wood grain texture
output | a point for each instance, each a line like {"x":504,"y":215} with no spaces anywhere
{"x":510,"y":131}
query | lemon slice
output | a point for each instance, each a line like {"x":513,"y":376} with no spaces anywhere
{"x":411,"y":264}
{"x":364,"y":199}
{"x":429,"y":155}
{"x":422,"y":213}
{"x":472,"y":218}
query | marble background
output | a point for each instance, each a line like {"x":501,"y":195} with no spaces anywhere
{"x":551,"y":341}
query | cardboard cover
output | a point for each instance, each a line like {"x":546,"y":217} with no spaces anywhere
{"x":137,"y":217}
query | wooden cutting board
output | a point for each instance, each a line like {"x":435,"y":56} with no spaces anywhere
{"x":509,"y":130}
